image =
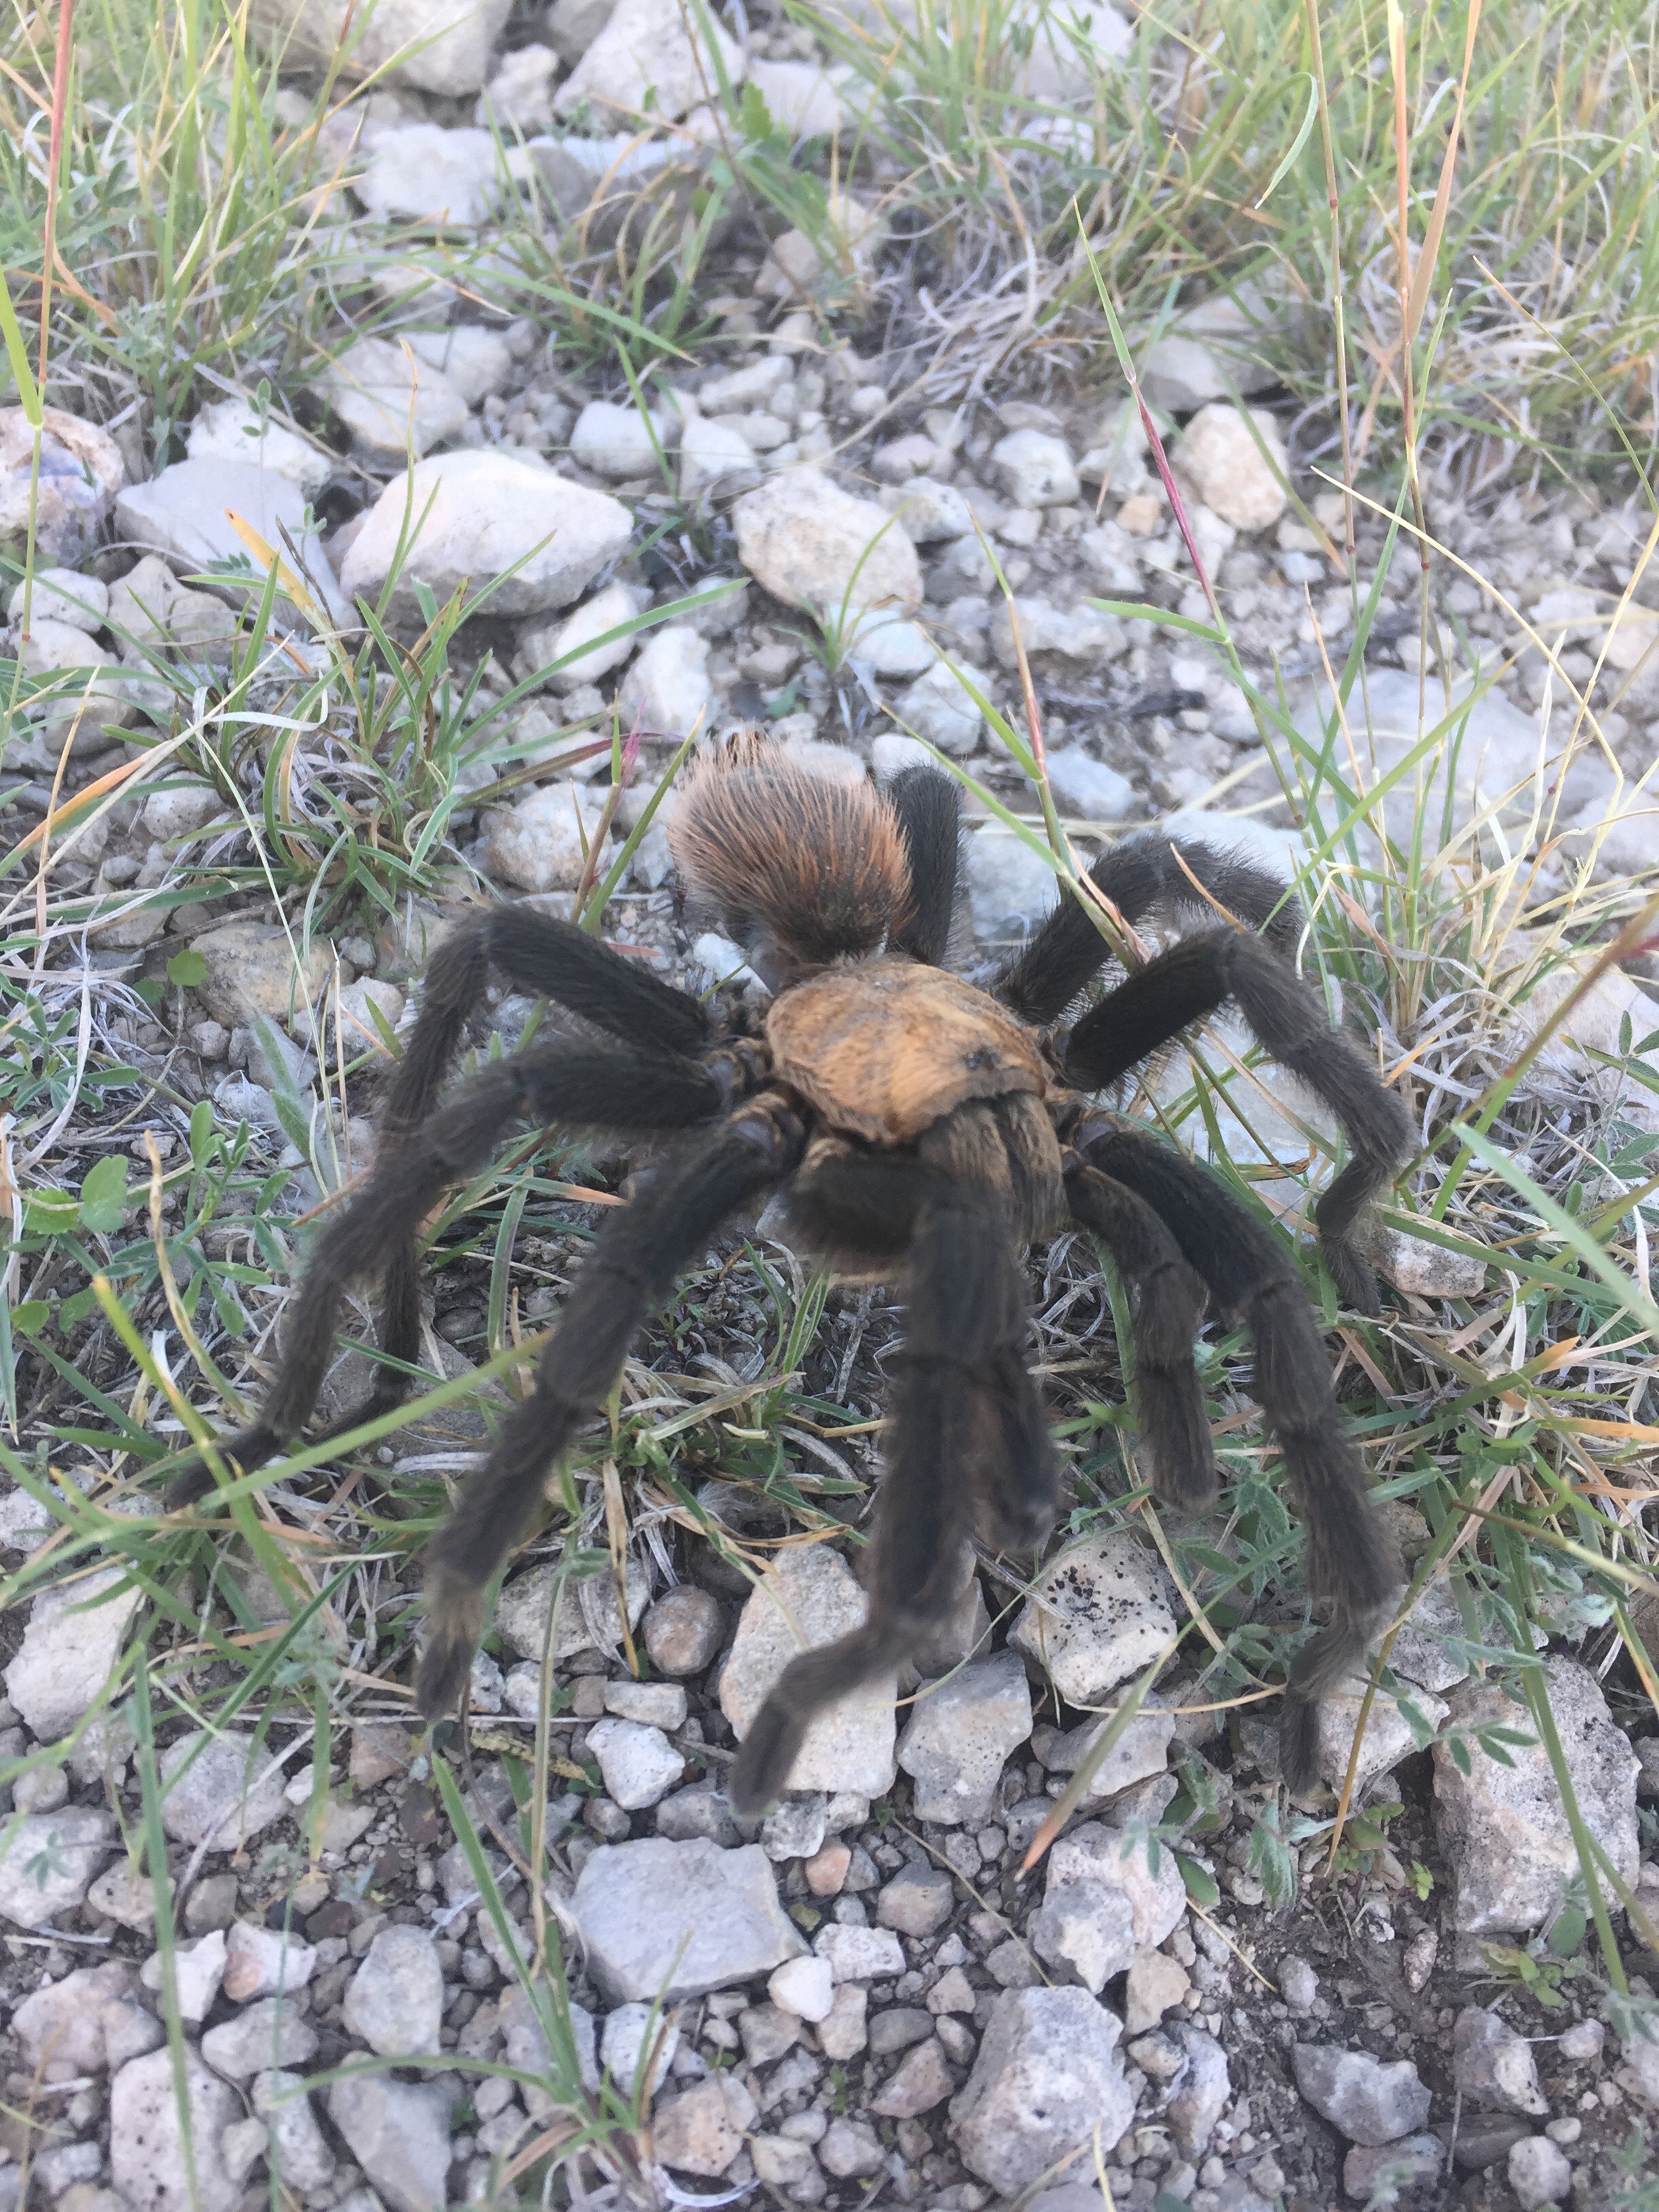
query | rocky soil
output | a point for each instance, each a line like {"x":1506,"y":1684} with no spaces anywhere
{"x":863,"y":2000}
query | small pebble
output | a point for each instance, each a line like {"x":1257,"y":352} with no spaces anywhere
{"x":40,"y":1789}
{"x":682,"y":1630}
{"x":804,"y":1987}
{"x":657,"y":1704}
{"x":917,"y":1901}
{"x":1540,"y":2174}
{"x":826,"y":1870}
{"x":1298,"y":1985}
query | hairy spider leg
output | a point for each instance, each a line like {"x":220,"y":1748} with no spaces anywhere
{"x":930,"y":822}
{"x":868,"y":1207}
{"x":966,"y":1424}
{"x":583,"y":1085}
{"x":628,"y":1275}
{"x":1349,"y":1560}
{"x":541,"y":954}
{"x":1198,"y":975}
{"x":1166,"y":1304}
{"x":1142,"y":876}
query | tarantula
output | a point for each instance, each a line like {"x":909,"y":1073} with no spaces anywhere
{"x":919,"y":1126}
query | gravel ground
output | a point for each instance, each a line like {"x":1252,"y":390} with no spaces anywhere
{"x":867,"y":1998}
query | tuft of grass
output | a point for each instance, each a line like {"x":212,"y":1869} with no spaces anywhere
{"x":1256,"y":152}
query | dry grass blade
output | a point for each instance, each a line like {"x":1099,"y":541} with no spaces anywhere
{"x":1428,"y":259}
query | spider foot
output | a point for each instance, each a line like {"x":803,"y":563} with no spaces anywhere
{"x":455,"y":1610}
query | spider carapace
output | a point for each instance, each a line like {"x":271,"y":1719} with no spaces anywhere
{"x":919,"y":1126}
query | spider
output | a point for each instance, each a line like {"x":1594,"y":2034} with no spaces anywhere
{"x":919,"y":1127}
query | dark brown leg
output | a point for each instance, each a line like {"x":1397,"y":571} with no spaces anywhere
{"x":1191,"y":981}
{"x":579,"y":1085}
{"x":1351,"y":1560}
{"x":631,"y":1272}
{"x":1143,"y":877}
{"x":1167,"y":1301}
{"x":967,"y":1431}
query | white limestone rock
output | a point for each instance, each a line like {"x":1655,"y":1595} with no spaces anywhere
{"x":476,"y":361}
{"x":929,"y":512}
{"x":398,"y":2133}
{"x":1036,"y":470}
{"x":849,"y":1744}
{"x":801,"y":97}
{"x":392,"y":402}
{"x":473,"y":515}
{"x":438,"y":179}
{"x":815,"y":547}
{"x":1503,"y":1828}
{"x":219,"y":1789}
{"x":1099,"y":1612}
{"x":1048,"y":2076}
{"x":541,"y":644}
{"x":1234,"y":479}
{"x":198,"y":1974}
{"x":639,"y":1764}
{"x":647,"y":48}
{"x":49,"y":1859}
{"x":74,"y":1635}
{"x":940,"y":706}
{"x":184,"y":515}
{"x":676,"y":1920}
{"x":618,"y":440}
{"x":432,"y":45}
{"x":667,"y":690}
{"x":147,"y":2148}
{"x":587,"y":1611}
{"x":234,"y":430}
{"x":81,"y":472}
{"x":716,"y":461}
{"x":395,"y":2000}
{"x":960,"y":1734}
{"x":519,"y":97}
{"x":541,"y":842}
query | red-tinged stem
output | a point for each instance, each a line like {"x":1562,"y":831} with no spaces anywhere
{"x":1173,"y":496}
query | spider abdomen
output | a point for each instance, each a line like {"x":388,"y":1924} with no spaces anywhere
{"x":885,"y":1048}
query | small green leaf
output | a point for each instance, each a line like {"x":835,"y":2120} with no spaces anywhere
{"x":151,"y":989}
{"x":48,"y":1213}
{"x":1200,"y":1882}
{"x":1418,"y":1722}
{"x":1269,"y":1860}
{"x":104,"y":1195}
{"x":31,"y":1317}
{"x":383,"y":1029}
{"x":72,"y":1311}
{"x":201,"y":1131}
{"x":1568,"y":1933}
{"x":754,"y":117}
{"x":187,"y":968}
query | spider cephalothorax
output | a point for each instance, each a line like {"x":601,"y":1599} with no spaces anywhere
{"x":917,"y":1125}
